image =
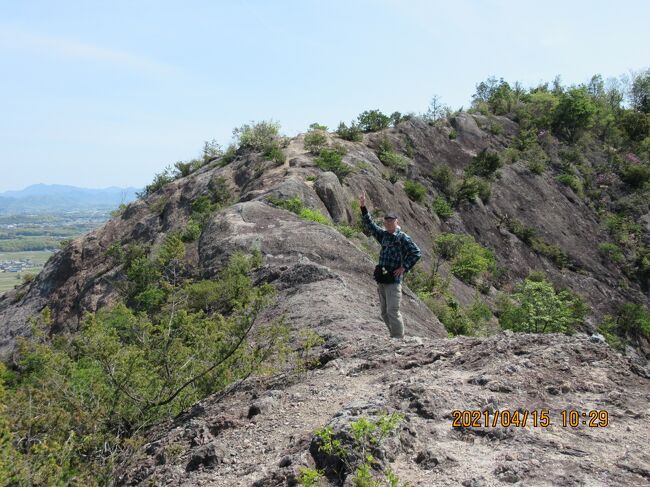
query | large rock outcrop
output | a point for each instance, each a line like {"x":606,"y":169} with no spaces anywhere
{"x":82,"y":277}
{"x":424,"y":380}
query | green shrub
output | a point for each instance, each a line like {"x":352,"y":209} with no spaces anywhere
{"x":356,"y":450}
{"x":448,"y":245}
{"x":372,"y":121}
{"x":574,"y":114}
{"x":347,"y":230}
{"x":632,"y":322}
{"x":315,"y":140}
{"x":536,"y":166}
{"x":119,"y":211}
{"x":444,"y":179}
{"x":331,"y":160}
{"x":294,"y":205}
{"x":389,"y":157}
{"x":551,"y":251}
{"x":510,"y":155}
{"x":636,"y":175}
{"x":471,"y":262}
{"x":612,"y":252}
{"x":536,"y":307}
{"x":529,"y":236}
{"x":495,"y":128}
{"x":149,"y":279}
{"x":115,"y":252}
{"x":352,"y":133}
{"x":457,"y":320}
{"x":231,"y":291}
{"x":314,"y":216}
{"x":471,"y":188}
{"x":608,"y":328}
{"x":479,"y":313}
{"x":229,"y":155}
{"x":395,"y":119}
{"x":623,"y":229}
{"x":571,"y":155}
{"x":393,"y":160}
{"x":641,"y":267}
{"x":220,"y":192}
{"x":274,"y":153}
{"x":484,"y":190}
{"x":572,"y":182}
{"x":541,"y":109}
{"x":317,"y":126}
{"x":526,"y":138}
{"x":339,"y":148}
{"x":437,"y":112}
{"x":451,"y":315}
{"x":309,"y":477}
{"x":468,"y":259}
{"x":257,"y":136}
{"x":484,"y":164}
{"x":27,"y":277}
{"x":171,"y":250}
{"x":192,"y":231}
{"x":211,"y":151}
{"x":202,"y":205}
{"x":636,"y":125}
{"x":160,"y":180}
{"x":183,"y":169}
{"x":536,"y":159}
{"x":453,"y":134}
{"x":524,"y":233}
{"x":414,"y":190}
{"x":442,"y":208}
{"x":158,"y":205}
{"x":640,"y":91}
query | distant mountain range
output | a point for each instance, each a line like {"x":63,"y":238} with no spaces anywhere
{"x":57,"y":197}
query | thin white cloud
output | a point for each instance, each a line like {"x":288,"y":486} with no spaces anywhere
{"x":17,"y":39}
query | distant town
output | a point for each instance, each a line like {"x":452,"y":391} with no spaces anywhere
{"x":16,"y":265}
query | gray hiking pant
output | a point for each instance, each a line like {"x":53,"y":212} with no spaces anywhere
{"x":390,"y":296}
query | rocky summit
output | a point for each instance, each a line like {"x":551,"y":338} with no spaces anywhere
{"x":455,"y":398}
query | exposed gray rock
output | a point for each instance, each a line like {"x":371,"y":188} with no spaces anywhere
{"x":330,"y":191}
{"x":427,"y":459}
{"x":426,"y":449}
{"x":207,"y":456}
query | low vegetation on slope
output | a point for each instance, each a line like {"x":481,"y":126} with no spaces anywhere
{"x":73,"y":406}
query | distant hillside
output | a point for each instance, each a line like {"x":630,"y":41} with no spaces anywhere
{"x":49,"y":197}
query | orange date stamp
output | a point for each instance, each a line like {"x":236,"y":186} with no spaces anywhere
{"x":537,"y":418}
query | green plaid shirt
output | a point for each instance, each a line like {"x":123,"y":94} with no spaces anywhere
{"x":397,"y":249}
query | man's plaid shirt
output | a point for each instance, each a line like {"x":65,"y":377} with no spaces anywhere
{"x":397,"y":249}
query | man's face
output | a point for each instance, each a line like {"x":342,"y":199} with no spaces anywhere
{"x":390,"y":224}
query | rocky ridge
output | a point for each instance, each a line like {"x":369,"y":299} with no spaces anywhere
{"x":260,"y":432}
{"x":84,"y":278}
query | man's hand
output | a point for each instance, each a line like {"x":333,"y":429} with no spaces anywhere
{"x":399,"y":271}
{"x":362,"y":199}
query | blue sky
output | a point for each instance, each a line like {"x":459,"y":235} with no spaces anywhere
{"x":108,"y":93}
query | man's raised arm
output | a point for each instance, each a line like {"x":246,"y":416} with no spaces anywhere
{"x":369,"y":223}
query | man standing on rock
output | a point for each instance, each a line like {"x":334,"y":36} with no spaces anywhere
{"x":398,"y":255}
